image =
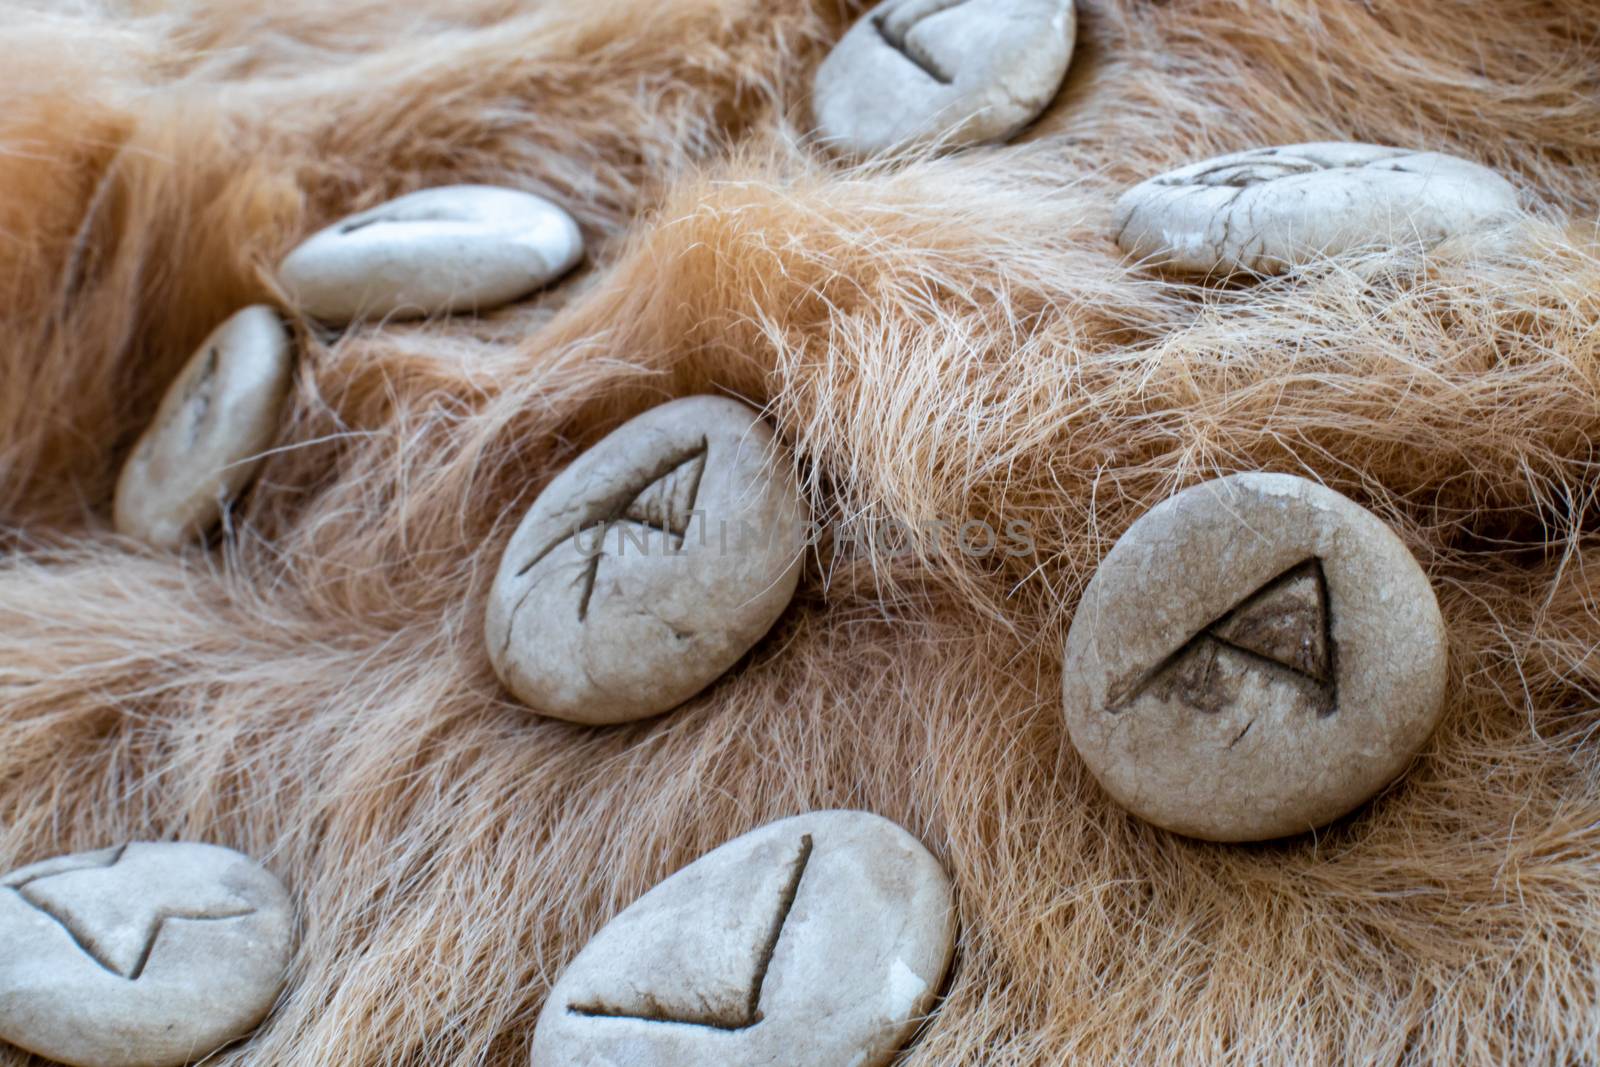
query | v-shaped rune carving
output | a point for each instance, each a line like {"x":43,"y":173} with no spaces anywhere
{"x":116,"y":911}
{"x":749,"y":1013}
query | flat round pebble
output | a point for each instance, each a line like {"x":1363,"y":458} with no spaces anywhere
{"x":1269,"y":209}
{"x":649,"y":566}
{"x":956,"y":72}
{"x":146,"y":955}
{"x":451,"y":249}
{"x":209,"y":434}
{"x":1256,"y":656}
{"x":815,"y":941}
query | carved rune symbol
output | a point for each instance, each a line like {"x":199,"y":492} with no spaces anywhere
{"x":727,"y":1017}
{"x":200,"y":395}
{"x":1283,"y":628}
{"x":390,"y":215}
{"x":664,"y":505}
{"x":1266,"y":165}
{"x":895,"y":26}
{"x":115,"y":911}
{"x":667,"y":503}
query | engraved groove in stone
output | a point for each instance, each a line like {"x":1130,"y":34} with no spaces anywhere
{"x":1286,"y":621}
{"x":357,"y":225}
{"x":379,"y":219}
{"x":158,"y":919}
{"x":750,"y":1014}
{"x":112,"y":860}
{"x":665,"y":504}
{"x":1285,"y":626}
{"x":676,"y":460}
{"x":1273,"y":164}
{"x":1241,"y":175}
{"x":898,"y":41}
{"x":198,"y":397}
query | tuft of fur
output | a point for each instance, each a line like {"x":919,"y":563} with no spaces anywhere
{"x":938,"y":338}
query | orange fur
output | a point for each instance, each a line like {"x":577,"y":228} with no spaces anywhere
{"x":938,"y":338}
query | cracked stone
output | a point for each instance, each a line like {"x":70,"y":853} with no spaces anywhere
{"x":950,"y":72}
{"x":207,"y":439}
{"x":817,"y":940}
{"x":145,"y":955}
{"x":1269,"y":209}
{"x":457,"y":248}
{"x":1255,"y":657}
{"x":648,"y":567}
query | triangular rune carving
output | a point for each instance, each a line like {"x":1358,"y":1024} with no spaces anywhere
{"x":1283,"y":624}
{"x":1285,"y":621}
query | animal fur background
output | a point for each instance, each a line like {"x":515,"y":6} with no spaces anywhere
{"x":937,"y":338}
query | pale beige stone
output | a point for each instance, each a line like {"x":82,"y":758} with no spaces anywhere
{"x":955,"y":72}
{"x":208,"y":436}
{"x":146,"y":955}
{"x":816,"y":941}
{"x":649,"y":566}
{"x":449,"y":249}
{"x":1268,"y":209}
{"x":1256,"y":656}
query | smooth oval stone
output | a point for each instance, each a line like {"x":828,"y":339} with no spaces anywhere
{"x":649,"y":566}
{"x":1255,"y":657}
{"x":454,"y":248}
{"x":1269,"y":209}
{"x":208,"y":435}
{"x":814,"y":941}
{"x":146,"y":955}
{"x":955,"y":72}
